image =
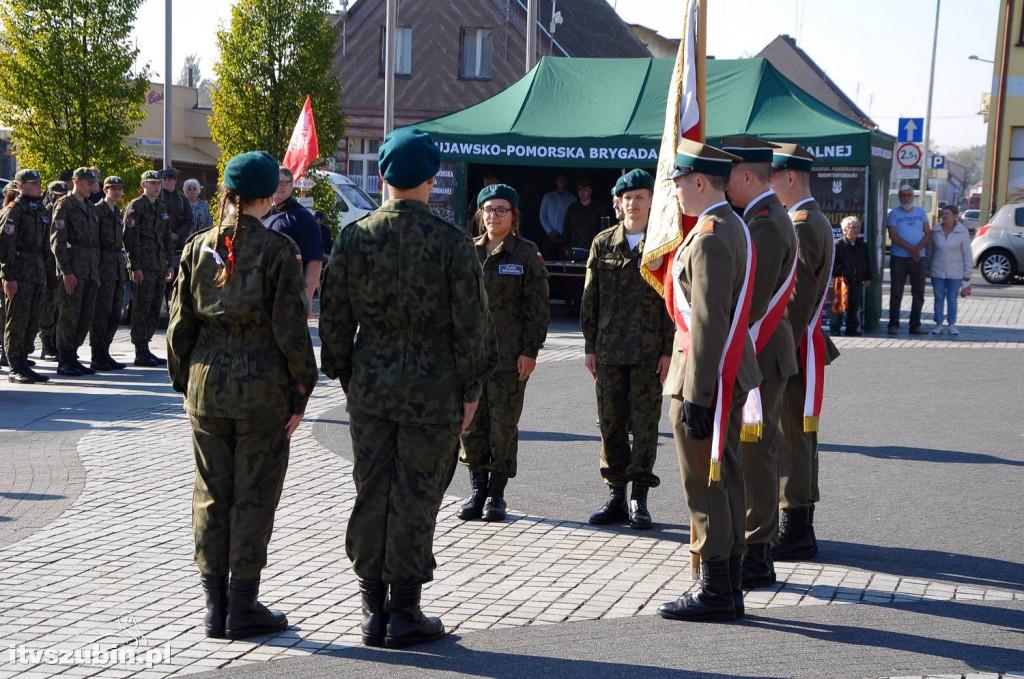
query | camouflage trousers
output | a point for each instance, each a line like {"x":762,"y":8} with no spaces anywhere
{"x":491,"y":442}
{"x":20,"y":319}
{"x":75,"y":316}
{"x":798,"y":452}
{"x":107,"y":315}
{"x":48,"y":317}
{"x":761,"y":467}
{"x":240,"y":469}
{"x":717,"y":509}
{"x":401,"y":472}
{"x":628,"y":400}
{"x":147,"y":298}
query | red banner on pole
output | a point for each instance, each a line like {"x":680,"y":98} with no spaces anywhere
{"x":303,"y":148}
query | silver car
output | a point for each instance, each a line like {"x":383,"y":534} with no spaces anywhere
{"x":971,"y":220}
{"x":998,"y":247}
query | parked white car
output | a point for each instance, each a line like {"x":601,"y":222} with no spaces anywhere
{"x":998,"y":247}
{"x":971,"y":219}
{"x":352,"y":202}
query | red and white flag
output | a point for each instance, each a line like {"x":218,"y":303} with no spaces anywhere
{"x":303,"y":148}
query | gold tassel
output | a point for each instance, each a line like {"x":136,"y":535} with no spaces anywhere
{"x":751,"y":433}
{"x":810,"y":424}
{"x":716,"y":472}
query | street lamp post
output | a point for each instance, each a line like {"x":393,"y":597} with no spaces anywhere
{"x":168,"y":87}
{"x":975,"y":57}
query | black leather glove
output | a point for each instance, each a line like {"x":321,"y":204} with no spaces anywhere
{"x":699,"y":419}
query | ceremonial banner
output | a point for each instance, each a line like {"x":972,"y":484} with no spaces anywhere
{"x":303,"y":148}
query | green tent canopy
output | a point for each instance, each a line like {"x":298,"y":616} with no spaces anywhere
{"x":610,"y":113}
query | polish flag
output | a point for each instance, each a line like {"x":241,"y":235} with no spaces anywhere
{"x":303,"y":148}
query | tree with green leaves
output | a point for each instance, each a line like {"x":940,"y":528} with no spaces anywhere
{"x":272,"y":55}
{"x":69,"y":89}
{"x":191,"y":73}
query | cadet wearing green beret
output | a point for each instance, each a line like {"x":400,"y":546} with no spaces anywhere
{"x":517,"y":295}
{"x":628,"y":337}
{"x":238,"y":348}
{"x":412,"y":343}
{"x":713,"y":368}
{"x":798,"y":440}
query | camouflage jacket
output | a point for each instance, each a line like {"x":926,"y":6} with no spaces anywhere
{"x":182,"y":220}
{"x":582,"y":223}
{"x":413,"y":286}
{"x":147,"y":235}
{"x":75,"y":238}
{"x":517,"y":295}
{"x":24,"y":229}
{"x":111,"y":233}
{"x":242,"y":350}
{"x":624,"y":319}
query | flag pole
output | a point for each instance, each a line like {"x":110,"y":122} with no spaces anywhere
{"x":701,"y":65}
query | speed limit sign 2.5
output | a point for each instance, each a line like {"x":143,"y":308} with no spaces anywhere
{"x":908,"y":155}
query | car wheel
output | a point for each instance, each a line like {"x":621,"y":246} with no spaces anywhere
{"x":997,"y":267}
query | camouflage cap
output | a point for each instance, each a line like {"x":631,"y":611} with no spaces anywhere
{"x":27,"y":176}
{"x":10,"y":187}
{"x":58,"y":187}
{"x":150,"y":176}
{"x":113,"y":181}
{"x":85,"y":174}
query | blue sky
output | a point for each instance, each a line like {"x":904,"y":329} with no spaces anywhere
{"x":877,"y":51}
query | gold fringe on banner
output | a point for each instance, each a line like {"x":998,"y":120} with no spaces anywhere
{"x":752,"y":433}
{"x":716,"y":472}
{"x":810,"y":424}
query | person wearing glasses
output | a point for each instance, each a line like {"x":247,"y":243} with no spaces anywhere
{"x":295,"y":221}
{"x":517,"y":295}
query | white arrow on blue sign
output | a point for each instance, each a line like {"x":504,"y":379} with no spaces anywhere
{"x":911,"y":130}
{"x":938,"y":162}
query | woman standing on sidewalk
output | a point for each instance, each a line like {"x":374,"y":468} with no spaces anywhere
{"x":517,"y":296}
{"x":949,"y":252}
{"x":238,"y":348}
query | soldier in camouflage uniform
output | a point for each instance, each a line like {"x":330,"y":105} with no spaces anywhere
{"x":628,"y":336}
{"x":147,"y":240}
{"x":239,"y":349}
{"x":75,"y":243}
{"x":517,"y":294}
{"x":48,"y":320}
{"x":112,"y":276}
{"x":182,"y":219}
{"x":24,"y":226}
{"x":6,"y":247}
{"x":411,"y":284}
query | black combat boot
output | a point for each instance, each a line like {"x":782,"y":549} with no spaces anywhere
{"x":49,"y":350}
{"x":247,"y":617}
{"x":34,"y":375}
{"x":795,"y":541}
{"x":375,"y":616}
{"x":736,"y":583}
{"x":115,"y":365}
{"x":67,"y":367}
{"x":216,"y":590}
{"x":99,"y":360}
{"x":810,"y":529}
{"x":85,"y":369}
{"x":20,"y":373}
{"x":712,"y":602}
{"x":407,"y":626}
{"x":639,"y":517}
{"x":494,"y":508}
{"x":142,"y":357}
{"x":758,"y":567}
{"x":159,"y":361}
{"x":613,"y":511}
{"x":473,"y":507}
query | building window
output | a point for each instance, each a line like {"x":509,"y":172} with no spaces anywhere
{"x":1015,"y":172}
{"x":362,"y":164}
{"x":476,"y":54}
{"x":403,"y":50}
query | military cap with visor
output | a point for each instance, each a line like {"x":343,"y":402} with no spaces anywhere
{"x":254,"y":174}
{"x":58,"y":187}
{"x":85,"y":174}
{"x":498,"y":191}
{"x":150,"y":176}
{"x":113,"y":180}
{"x":633,"y":180}
{"x":408,"y":157}
{"x":169,"y":173}
{"x":693,"y":156}
{"x":792,"y":157}
{"x":27,"y":176}
{"x":748,"y":149}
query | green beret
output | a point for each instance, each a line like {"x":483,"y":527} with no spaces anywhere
{"x":633,"y":180}
{"x":113,"y":181}
{"x":408,"y":157}
{"x":150,"y":176}
{"x":502,"y":191}
{"x":27,"y":176}
{"x":693,"y":156}
{"x":85,"y":174}
{"x":57,"y":187}
{"x":254,"y":175}
{"x":792,"y":157}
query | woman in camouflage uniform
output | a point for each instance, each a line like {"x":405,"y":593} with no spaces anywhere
{"x":517,"y":296}
{"x":239,"y":349}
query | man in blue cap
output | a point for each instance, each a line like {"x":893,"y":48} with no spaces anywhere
{"x":404,"y":326}
{"x":628,"y":337}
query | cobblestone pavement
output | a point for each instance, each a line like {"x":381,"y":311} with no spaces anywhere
{"x":113,"y":572}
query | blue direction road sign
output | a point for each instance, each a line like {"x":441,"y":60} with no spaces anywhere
{"x":911,"y":129}
{"x":938,"y":162}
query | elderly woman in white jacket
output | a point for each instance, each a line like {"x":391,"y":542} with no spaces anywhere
{"x":949,"y":252}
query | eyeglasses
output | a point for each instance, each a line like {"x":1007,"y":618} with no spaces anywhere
{"x":497,"y":211}
{"x":285,"y":182}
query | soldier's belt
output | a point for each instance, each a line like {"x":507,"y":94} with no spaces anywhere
{"x":399,"y":337}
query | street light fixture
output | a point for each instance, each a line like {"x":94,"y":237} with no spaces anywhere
{"x":556,"y":21}
{"x":975,"y":57}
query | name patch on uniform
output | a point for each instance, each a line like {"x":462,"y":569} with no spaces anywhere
{"x":510,"y":270}
{"x":130,"y":223}
{"x":9,"y":227}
